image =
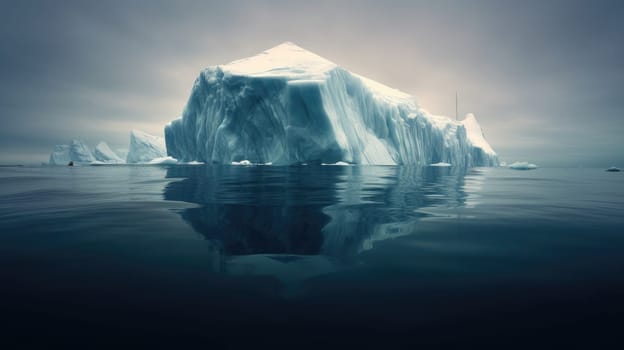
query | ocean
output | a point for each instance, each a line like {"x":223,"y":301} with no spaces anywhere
{"x":327,"y":256}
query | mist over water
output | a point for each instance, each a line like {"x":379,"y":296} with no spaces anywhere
{"x":426,"y":255}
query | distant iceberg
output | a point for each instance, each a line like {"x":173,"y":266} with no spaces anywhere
{"x":77,"y":152}
{"x":522,"y":166}
{"x":145,"y":147}
{"x":290,"y":106}
{"x":163,"y":161}
{"x":60,"y":155}
{"x":242,"y":162}
{"x":339,"y":163}
{"x":104,"y":154}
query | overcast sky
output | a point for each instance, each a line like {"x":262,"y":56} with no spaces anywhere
{"x":544,"y":78}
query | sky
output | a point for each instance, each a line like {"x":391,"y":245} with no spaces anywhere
{"x":544,"y":78}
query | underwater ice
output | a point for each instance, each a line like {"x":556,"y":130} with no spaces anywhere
{"x":290,"y":106}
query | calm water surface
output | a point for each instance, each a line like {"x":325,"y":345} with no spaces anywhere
{"x":311,"y":255}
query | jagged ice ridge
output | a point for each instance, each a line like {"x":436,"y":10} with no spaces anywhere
{"x":144,"y":148}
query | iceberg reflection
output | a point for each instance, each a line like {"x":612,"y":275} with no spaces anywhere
{"x":330,"y":211}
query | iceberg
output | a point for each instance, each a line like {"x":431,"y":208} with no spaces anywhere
{"x":77,"y":152}
{"x":145,"y":148}
{"x":104,"y":154}
{"x":290,"y":106}
{"x":339,"y":163}
{"x":163,"y":161}
{"x":242,"y":162}
{"x":60,"y":155}
{"x":522,"y":166}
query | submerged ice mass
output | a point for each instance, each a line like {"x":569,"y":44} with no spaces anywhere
{"x":290,"y":106}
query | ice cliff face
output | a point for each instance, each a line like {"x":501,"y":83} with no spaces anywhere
{"x":288,"y":105}
{"x":103,"y":153}
{"x":145,"y":147}
{"x":77,"y":152}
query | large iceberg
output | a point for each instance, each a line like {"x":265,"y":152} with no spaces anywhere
{"x":77,"y":152}
{"x":103,"y":153}
{"x":288,"y":105}
{"x":145,"y":147}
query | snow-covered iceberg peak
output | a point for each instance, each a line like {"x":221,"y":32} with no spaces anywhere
{"x":287,"y":105}
{"x":77,"y":152}
{"x":145,"y":147}
{"x":286,"y":60}
{"x":104,"y":153}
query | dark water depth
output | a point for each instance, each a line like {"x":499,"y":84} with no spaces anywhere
{"x":300,"y":256}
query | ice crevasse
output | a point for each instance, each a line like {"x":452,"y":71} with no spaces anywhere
{"x":287,"y":106}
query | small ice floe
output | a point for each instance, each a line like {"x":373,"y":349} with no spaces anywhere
{"x":101,"y":163}
{"x":341,"y":163}
{"x":163,"y":161}
{"x":440,"y":164}
{"x":194,"y":162}
{"x":522,"y":166}
{"x":242,"y":162}
{"x":613,"y":169}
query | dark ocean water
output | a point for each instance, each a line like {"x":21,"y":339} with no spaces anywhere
{"x":306,"y":256}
